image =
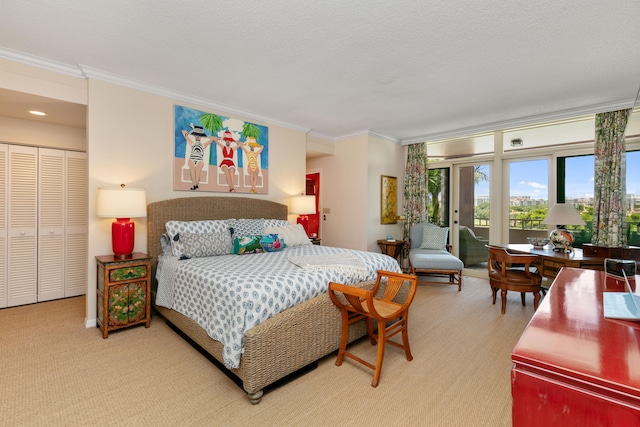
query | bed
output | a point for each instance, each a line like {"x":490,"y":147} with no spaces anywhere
{"x":284,"y":343}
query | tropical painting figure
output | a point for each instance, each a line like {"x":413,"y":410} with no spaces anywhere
{"x":198,"y":141}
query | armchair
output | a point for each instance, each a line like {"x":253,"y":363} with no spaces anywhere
{"x":473,"y":249}
{"x":429,"y":254}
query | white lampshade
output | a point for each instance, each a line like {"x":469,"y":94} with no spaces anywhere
{"x":563,"y":214}
{"x":121,"y":203}
{"x":303,"y":205}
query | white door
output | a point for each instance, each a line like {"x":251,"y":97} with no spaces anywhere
{"x":76,"y":224}
{"x":4,"y":154}
{"x":22,"y":234}
{"x":51,"y":215}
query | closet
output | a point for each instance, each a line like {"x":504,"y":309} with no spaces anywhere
{"x":43,"y":224}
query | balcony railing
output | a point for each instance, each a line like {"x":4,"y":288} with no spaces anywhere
{"x":582,"y":233}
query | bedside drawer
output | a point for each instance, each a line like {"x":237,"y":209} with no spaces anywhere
{"x":128,"y":273}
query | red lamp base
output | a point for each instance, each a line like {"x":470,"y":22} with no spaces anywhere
{"x":122,"y":237}
{"x":304,"y":221}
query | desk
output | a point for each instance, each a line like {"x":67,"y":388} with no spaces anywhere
{"x":550,"y":262}
{"x":573,"y":367}
{"x":391,"y":248}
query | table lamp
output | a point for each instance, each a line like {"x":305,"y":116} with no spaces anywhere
{"x":122,"y":204}
{"x":303,"y":206}
{"x":561,"y":215}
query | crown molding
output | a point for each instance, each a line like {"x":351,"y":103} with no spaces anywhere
{"x":36,"y":61}
{"x":366,"y":132}
{"x":522,"y":121}
{"x":86,"y":72}
{"x":93,"y":73}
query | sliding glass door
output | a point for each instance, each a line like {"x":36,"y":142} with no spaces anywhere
{"x":472,"y":216}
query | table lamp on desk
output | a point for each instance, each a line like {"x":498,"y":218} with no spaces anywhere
{"x":560,"y":215}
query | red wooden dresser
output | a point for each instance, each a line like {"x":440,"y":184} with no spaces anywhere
{"x":573,"y":367}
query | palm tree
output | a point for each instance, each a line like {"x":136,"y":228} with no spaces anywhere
{"x":434,"y":188}
{"x":250,"y":130}
{"x":211,"y":122}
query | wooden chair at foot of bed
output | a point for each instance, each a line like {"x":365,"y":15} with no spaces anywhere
{"x":390,"y":316}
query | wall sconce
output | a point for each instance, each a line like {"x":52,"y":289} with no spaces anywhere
{"x":122,"y":204}
{"x":303,"y":206}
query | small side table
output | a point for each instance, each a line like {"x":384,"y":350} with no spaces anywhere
{"x":124,"y":291}
{"x":393,"y":248}
{"x":316,"y":241}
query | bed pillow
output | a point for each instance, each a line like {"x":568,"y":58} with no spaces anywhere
{"x":248,"y":244}
{"x":246,"y":227}
{"x":205,"y":226}
{"x":294,"y":235}
{"x":198,"y":245}
{"x":434,"y":237}
{"x":195,"y":227}
{"x":276,"y":223}
{"x":165,"y":244}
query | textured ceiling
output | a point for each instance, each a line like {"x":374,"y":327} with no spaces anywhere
{"x":404,"y":69}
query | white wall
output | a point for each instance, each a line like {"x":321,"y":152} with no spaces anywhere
{"x":130,"y":141}
{"x":350,"y":188}
{"x":385,"y":158}
{"x":28,"y":132}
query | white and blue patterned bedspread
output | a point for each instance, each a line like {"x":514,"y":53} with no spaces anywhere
{"x":228,"y":295}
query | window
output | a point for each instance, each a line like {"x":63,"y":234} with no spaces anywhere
{"x":528,"y":199}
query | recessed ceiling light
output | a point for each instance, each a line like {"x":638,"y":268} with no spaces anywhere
{"x":37,"y":113}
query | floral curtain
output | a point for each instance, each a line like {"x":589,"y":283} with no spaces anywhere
{"x":609,"y":216}
{"x":416,"y":185}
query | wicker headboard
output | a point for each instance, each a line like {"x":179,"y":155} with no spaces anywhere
{"x":199,"y":208}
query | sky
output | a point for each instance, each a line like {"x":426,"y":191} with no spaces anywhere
{"x":530,"y":178}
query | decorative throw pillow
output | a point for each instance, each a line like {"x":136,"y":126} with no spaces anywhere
{"x":272,"y":243}
{"x":434,"y":237}
{"x":294,"y":235}
{"x":246,"y":244}
{"x":198,"y":245}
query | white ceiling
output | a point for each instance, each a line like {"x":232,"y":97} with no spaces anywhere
{"x":407,"y":69}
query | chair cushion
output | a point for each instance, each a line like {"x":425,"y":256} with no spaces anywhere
{"x":431,"y":259}
{"x":434,"y":237}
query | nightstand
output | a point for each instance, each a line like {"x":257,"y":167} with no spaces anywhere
{"x":124,"y":291}
{"x":315,"y":241}
{"x":393,"y":248}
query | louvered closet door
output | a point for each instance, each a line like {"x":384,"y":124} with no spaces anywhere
{"x":51,"y":215}
{"x":4,"y":154}
{"x":76,"y":224}
{"x":22,"y":220}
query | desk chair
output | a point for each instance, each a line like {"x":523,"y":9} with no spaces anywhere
{"x":356,"y":304}
{"x":512,"y":272}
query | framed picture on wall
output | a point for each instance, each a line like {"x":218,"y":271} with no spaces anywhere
{"x":220,"y":154}
{"x":388,"y":199}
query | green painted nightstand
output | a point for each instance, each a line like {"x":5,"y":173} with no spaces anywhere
{"x":124,"y":291}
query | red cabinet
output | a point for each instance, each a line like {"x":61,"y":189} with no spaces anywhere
{"x":571,"y":365}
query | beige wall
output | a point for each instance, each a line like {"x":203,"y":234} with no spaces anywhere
{"x":130,"y":141}
{"x":385,"y":158}
{"x":27,"y":132}
{"x":350,"y":188}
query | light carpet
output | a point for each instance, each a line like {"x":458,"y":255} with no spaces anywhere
{"x":55,"y":372}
